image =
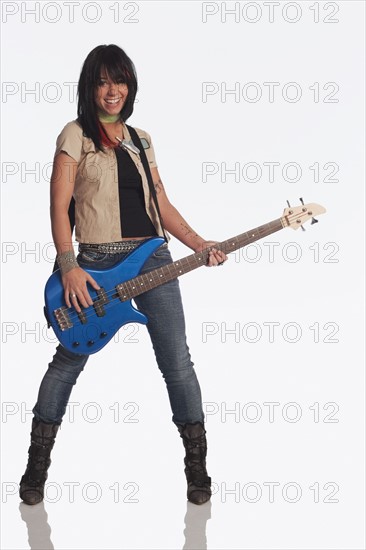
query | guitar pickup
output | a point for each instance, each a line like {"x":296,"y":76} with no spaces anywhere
{"x":82,"y":317}
{"x":122,"y":292}
{"x":100,"y":302}
{"x":62,"y":318}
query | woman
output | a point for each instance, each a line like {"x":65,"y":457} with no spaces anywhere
{"x":114,"y":212}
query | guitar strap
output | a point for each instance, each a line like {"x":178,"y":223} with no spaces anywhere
{"x":137,"y":141}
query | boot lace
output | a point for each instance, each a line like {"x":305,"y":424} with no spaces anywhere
{"x":195,"y":460}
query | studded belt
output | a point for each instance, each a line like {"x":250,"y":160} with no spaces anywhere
{"x":111,"y":248}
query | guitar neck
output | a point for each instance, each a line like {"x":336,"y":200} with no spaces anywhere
{"x":161,"y":275}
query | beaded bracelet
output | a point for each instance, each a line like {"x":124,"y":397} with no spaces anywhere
{"x":67,"y":261}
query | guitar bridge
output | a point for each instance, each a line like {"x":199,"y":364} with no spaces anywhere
{"x":62,"y":318}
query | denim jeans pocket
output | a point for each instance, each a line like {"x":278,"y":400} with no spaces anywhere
{"x":162,"y":251}
{"x":92,"y":256}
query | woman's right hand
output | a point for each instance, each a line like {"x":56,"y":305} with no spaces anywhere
{"x":75,"y":287}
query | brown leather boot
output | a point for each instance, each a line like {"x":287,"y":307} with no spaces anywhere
{"x":194,"y":441}
{"x":43,"y":435}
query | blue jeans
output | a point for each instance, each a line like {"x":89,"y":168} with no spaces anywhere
{"x":166,"y":326}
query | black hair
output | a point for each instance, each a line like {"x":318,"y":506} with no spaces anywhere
{"x":119,"y":67}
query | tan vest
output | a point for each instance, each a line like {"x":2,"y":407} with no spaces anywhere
{"x":97,"y":212}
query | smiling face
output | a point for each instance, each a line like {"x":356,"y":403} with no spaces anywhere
{"x":110,"y":96}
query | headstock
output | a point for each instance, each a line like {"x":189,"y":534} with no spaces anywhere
{"x":296,"y":216}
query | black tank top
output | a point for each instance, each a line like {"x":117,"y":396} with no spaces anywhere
{"x":134,"y":219}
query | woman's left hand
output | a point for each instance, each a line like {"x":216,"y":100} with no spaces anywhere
{"x":215,"y":256}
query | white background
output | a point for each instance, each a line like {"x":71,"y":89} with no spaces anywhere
{"x":317,"y":281}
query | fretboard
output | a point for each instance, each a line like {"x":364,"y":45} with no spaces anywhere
{"x":156,"y":277}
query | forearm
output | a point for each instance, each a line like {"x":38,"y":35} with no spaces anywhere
{"x":61,"y":231}
{"x":175,"y":224}
{"x":62,"y":185}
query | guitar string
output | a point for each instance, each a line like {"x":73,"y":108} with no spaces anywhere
{"x":73,"y":315}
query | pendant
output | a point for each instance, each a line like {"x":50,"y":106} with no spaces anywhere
{"x":128,"y":146}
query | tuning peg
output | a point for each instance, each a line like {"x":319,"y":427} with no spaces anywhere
{"x":313,"y":220}
{"x":303,"y":228}
{"x":288,"y":204}
{"x":301,"y":200}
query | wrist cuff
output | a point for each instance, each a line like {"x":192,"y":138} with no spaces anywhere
{"x":67,"y":261}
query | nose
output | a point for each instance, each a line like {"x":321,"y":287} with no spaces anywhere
{"x":112,"y":87}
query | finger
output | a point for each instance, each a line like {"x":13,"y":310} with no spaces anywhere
{"x":71,"y":300}
{"x":86,"y":294}
{"x":84,"y":298}
{"x":87,"y":299}
{"x":216,"y":258}
{"x":220,"y":256}
{"x":211,"y":259}
{"x":67,"y":298}
{"x":92,"y":281}
{"x":74,"y":301}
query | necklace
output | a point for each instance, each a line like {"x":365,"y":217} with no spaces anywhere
{"x":108,"y":118}
{"x":106,"y":134}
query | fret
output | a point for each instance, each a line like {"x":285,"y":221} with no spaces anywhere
{"x":123,"y":292}
{"x":146,"y":281}
{"x":250,"y":236}
{"x":128,"y":285}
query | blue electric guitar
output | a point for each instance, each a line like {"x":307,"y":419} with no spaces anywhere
{"x":92,"y":328}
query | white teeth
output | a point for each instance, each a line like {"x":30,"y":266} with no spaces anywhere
{"x":112,"y":101}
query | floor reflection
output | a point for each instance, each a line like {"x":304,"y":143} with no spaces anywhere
{"x":195,"y":526}
{"x":39,"y":532}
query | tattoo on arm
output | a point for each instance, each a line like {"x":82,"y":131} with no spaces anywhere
{"x":187,"y":230}
{"x":158,"y":186}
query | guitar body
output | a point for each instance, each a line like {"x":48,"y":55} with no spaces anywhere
{"x":100,"y":322}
